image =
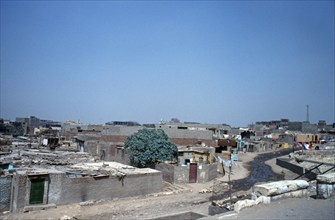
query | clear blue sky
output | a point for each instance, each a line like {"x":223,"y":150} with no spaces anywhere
{"x":206,"y":61}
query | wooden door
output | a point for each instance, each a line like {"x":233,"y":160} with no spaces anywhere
{"x":36,"y":191}
{"x":193,"y":172}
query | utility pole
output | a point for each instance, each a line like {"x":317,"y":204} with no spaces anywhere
{"x":307,"y":116}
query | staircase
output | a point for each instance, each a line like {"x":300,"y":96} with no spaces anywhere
{"x":169,"y":188}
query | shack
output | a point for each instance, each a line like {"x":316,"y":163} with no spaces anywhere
{"x":80,"y":182}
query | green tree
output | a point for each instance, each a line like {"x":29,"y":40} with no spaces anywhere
{"x":149,"y":146}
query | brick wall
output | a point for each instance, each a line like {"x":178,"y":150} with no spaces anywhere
{"x":189,"y":141}
{"x":114,"y":138}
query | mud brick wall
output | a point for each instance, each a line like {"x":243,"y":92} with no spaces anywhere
{"x":112,"y":152}
{"x":290,"y":166}
{"x":206,"y":172}
{"x":192,"y":141}
{"x":19,"y":192}
{"x":167,"y":171}
{"x":182,"y":174}
{"x":91,"y":147}
{"x":65,"y":190}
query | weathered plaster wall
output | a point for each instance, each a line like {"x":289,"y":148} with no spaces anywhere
{"x":88,"y":188}
{"x":65,"y":190}
{"x":182,"y":174}
{"x":167,"y":171}
{"x":206,"y":172}
{"x":19,"y":192}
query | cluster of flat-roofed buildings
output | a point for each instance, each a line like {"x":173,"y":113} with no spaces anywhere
{"x":97,"y":166}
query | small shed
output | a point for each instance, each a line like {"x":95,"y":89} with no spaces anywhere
{"x":201,"y":155}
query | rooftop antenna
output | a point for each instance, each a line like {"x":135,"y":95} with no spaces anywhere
{"x":307,"y":116}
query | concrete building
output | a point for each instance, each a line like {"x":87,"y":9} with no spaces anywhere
{"x":78,"y":183}
{"x":218,"y":130}
{"x":123,"y":123}
{"x":195,"y":154}
{"x":195,"y":165}
{"x":306,"y":138}
{"x":29,"y":124}
{"x":190,"y":173}
{"x":305,"y":127}
{"x":107,"y":143}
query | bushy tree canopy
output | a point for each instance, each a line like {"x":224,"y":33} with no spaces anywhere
{"x":148,"y":146}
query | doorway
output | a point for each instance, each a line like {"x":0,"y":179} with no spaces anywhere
{"x":193,"y":172}
{"x":36,"y":191}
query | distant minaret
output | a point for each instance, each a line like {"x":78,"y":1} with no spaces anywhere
{"x":307,"y":116}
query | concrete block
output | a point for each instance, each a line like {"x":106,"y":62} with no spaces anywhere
{"x":326,"y":178}
{"x":280,"y":187}
{"x":294,"y":194}
{"x":324,"y":191}
{"x":239,"y":205}
{"x":264,"y":199}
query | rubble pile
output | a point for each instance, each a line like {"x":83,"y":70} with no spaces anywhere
{"x":100,"y":169}
{"x":322,"y":156}
{"x":30,"y":158}
{"x":314,"y":162}
{"x":225,"y":205}
{"x":5,"y":145}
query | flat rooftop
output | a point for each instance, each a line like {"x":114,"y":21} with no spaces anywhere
{"x":39,"y":162}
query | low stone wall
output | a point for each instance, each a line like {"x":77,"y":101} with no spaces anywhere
{"x":286,"y":163}
{"x":167,"y":171}
{"x":180,"y":174}
{"x":304,"y":167}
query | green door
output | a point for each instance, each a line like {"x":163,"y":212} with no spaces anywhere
{"x":36,"y":191}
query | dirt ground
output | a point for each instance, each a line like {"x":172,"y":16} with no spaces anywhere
{"x":185,"y":198}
